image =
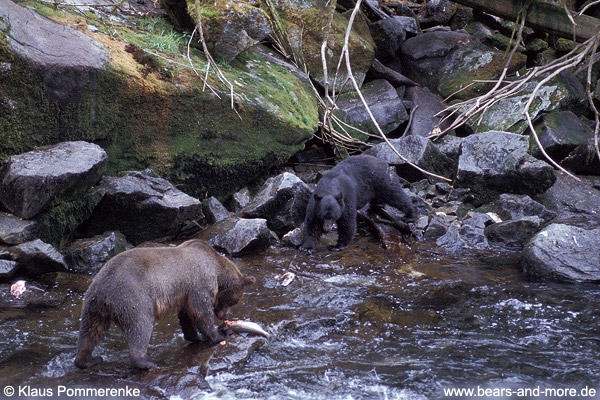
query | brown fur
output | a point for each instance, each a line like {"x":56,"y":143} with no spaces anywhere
{"x":138,"y":286}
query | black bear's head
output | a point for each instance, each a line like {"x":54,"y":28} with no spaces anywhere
{"x":329,"y":210}
{"x":229,"y":296}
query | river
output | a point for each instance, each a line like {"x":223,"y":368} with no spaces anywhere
{"x":364,"y":323}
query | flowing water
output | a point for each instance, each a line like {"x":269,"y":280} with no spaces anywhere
{"x":364,"y":323}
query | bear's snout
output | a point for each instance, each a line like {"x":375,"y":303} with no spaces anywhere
{"x":328,"y":225}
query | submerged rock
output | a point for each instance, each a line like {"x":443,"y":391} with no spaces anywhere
{"x":143,"y":207}
{"x":89,"y":255}
{"x":30,"y":181}
{"x":36,"y":258}
{"x":236,"y":235}
{"x":496,"y":162}
{"x":384,"y":103}
{"x":14,"y":230}
{"x":281,"y":201}
{"x":565,"y":253}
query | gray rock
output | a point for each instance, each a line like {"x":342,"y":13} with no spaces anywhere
{"x":559,"y":133}
{"x":437,"y":227}
{"x":143,"y":207}
{"x":562,"y":92}
{"x":449,"y":145}
{"x":583,"y":159}
{"x":281,"y":201}
{"x":518,"y":206}
{"x":214,"y":211}
{"x":382,"y":98}
{"x":424,"y":117}
{"x":7,"y":268}
{"x":236,"y":235}
{"x":497,"y":162}
{"x":570,"y":198}
{"x":417,"y":149}
{"x":294,"y":237}
{"x":36,"y":258}
{"x":387,"y":34}
{"x":515,"y":233}
{"x":380,"y":71}
{"x":14,"y":230}
{"x":30,"y":181}
{"x":89,"y":255}
{"x":408,"y":24}
{"x":240,"y":199}
{"x":67,"y":58}
{"x":478,"y":220}
{"x":459,"y":238}
{"x":565,"y":253}
{"x":448,"y":61}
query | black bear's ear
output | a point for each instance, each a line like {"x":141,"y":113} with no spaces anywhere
{"x":248,"y":280}
{"x":317,"y":197}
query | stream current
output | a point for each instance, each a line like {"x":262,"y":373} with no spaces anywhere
{"x":364,"y":323}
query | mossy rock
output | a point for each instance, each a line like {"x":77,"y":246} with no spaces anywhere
{"x":158,"y":114}
{"x":300,"y":28}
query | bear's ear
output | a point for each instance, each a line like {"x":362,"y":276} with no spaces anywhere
{"x":338,"y":197}
{"x":248,"y":280}
{"x":317,"y":197}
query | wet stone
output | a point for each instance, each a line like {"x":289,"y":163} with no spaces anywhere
{"x":236,"y":235}
{"x":515,"y":233}
{"x":89,"y":255}
{"x":14,"y":230}
{"x":7,"y":268}
{"x":214,"y":211}
{"x":37,"y":258}
{"x":30,"y":181}
{"x":282,"y":201}
{"x":240,"y":199}
{"x":559,"y":133}
{"x":518,"y":206}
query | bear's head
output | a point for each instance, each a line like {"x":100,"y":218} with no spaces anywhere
{"x":329,"y":210}
{"x":230,"y":295}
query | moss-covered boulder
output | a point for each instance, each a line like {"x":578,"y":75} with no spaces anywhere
{"x":300,"y":29}
{"x":229,"y":26}
{"x":146,"y":103}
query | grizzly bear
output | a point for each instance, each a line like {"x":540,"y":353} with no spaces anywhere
{"x":346,"y":188}
{"x":142,"y":284}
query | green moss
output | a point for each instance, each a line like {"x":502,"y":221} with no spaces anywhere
{"x":57,"y":225}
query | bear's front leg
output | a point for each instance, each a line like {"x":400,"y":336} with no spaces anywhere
{"x":201,"y":310}
{"x":190,"y":333}
{"x":346,"y":228}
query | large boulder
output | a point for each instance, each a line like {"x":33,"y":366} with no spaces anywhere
{"x":560,"y":133}
{"x":144,"y":111}
{"x":419,"y":150}
{"x":236,"y":235}
{"x":29,"y":182}
{"x":385,"y":105}
{"x":515,"y":233}
{"x":448,"y":61}
{"x":565,"y":253}
{"x":494,"y":162}
{"x":299,"y":29}
{"x":143,"y":207}
{"x":282,"y":201}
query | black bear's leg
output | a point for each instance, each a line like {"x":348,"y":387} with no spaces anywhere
{"x":138,"y":333}
{"x":312,"y":228}
{"x":392,"y":193}
{"x":187,"y":326}
{"x":346,"y":227}
{"x":203,"y":315}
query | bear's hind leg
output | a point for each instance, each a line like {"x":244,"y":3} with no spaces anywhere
{"x":93,"y":326}
{"x":138,"y":334}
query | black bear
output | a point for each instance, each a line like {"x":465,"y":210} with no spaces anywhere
{"x":346,"y":188}
{"x":141,"y":284}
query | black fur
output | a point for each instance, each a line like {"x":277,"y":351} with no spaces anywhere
{"x":346,"y":188}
